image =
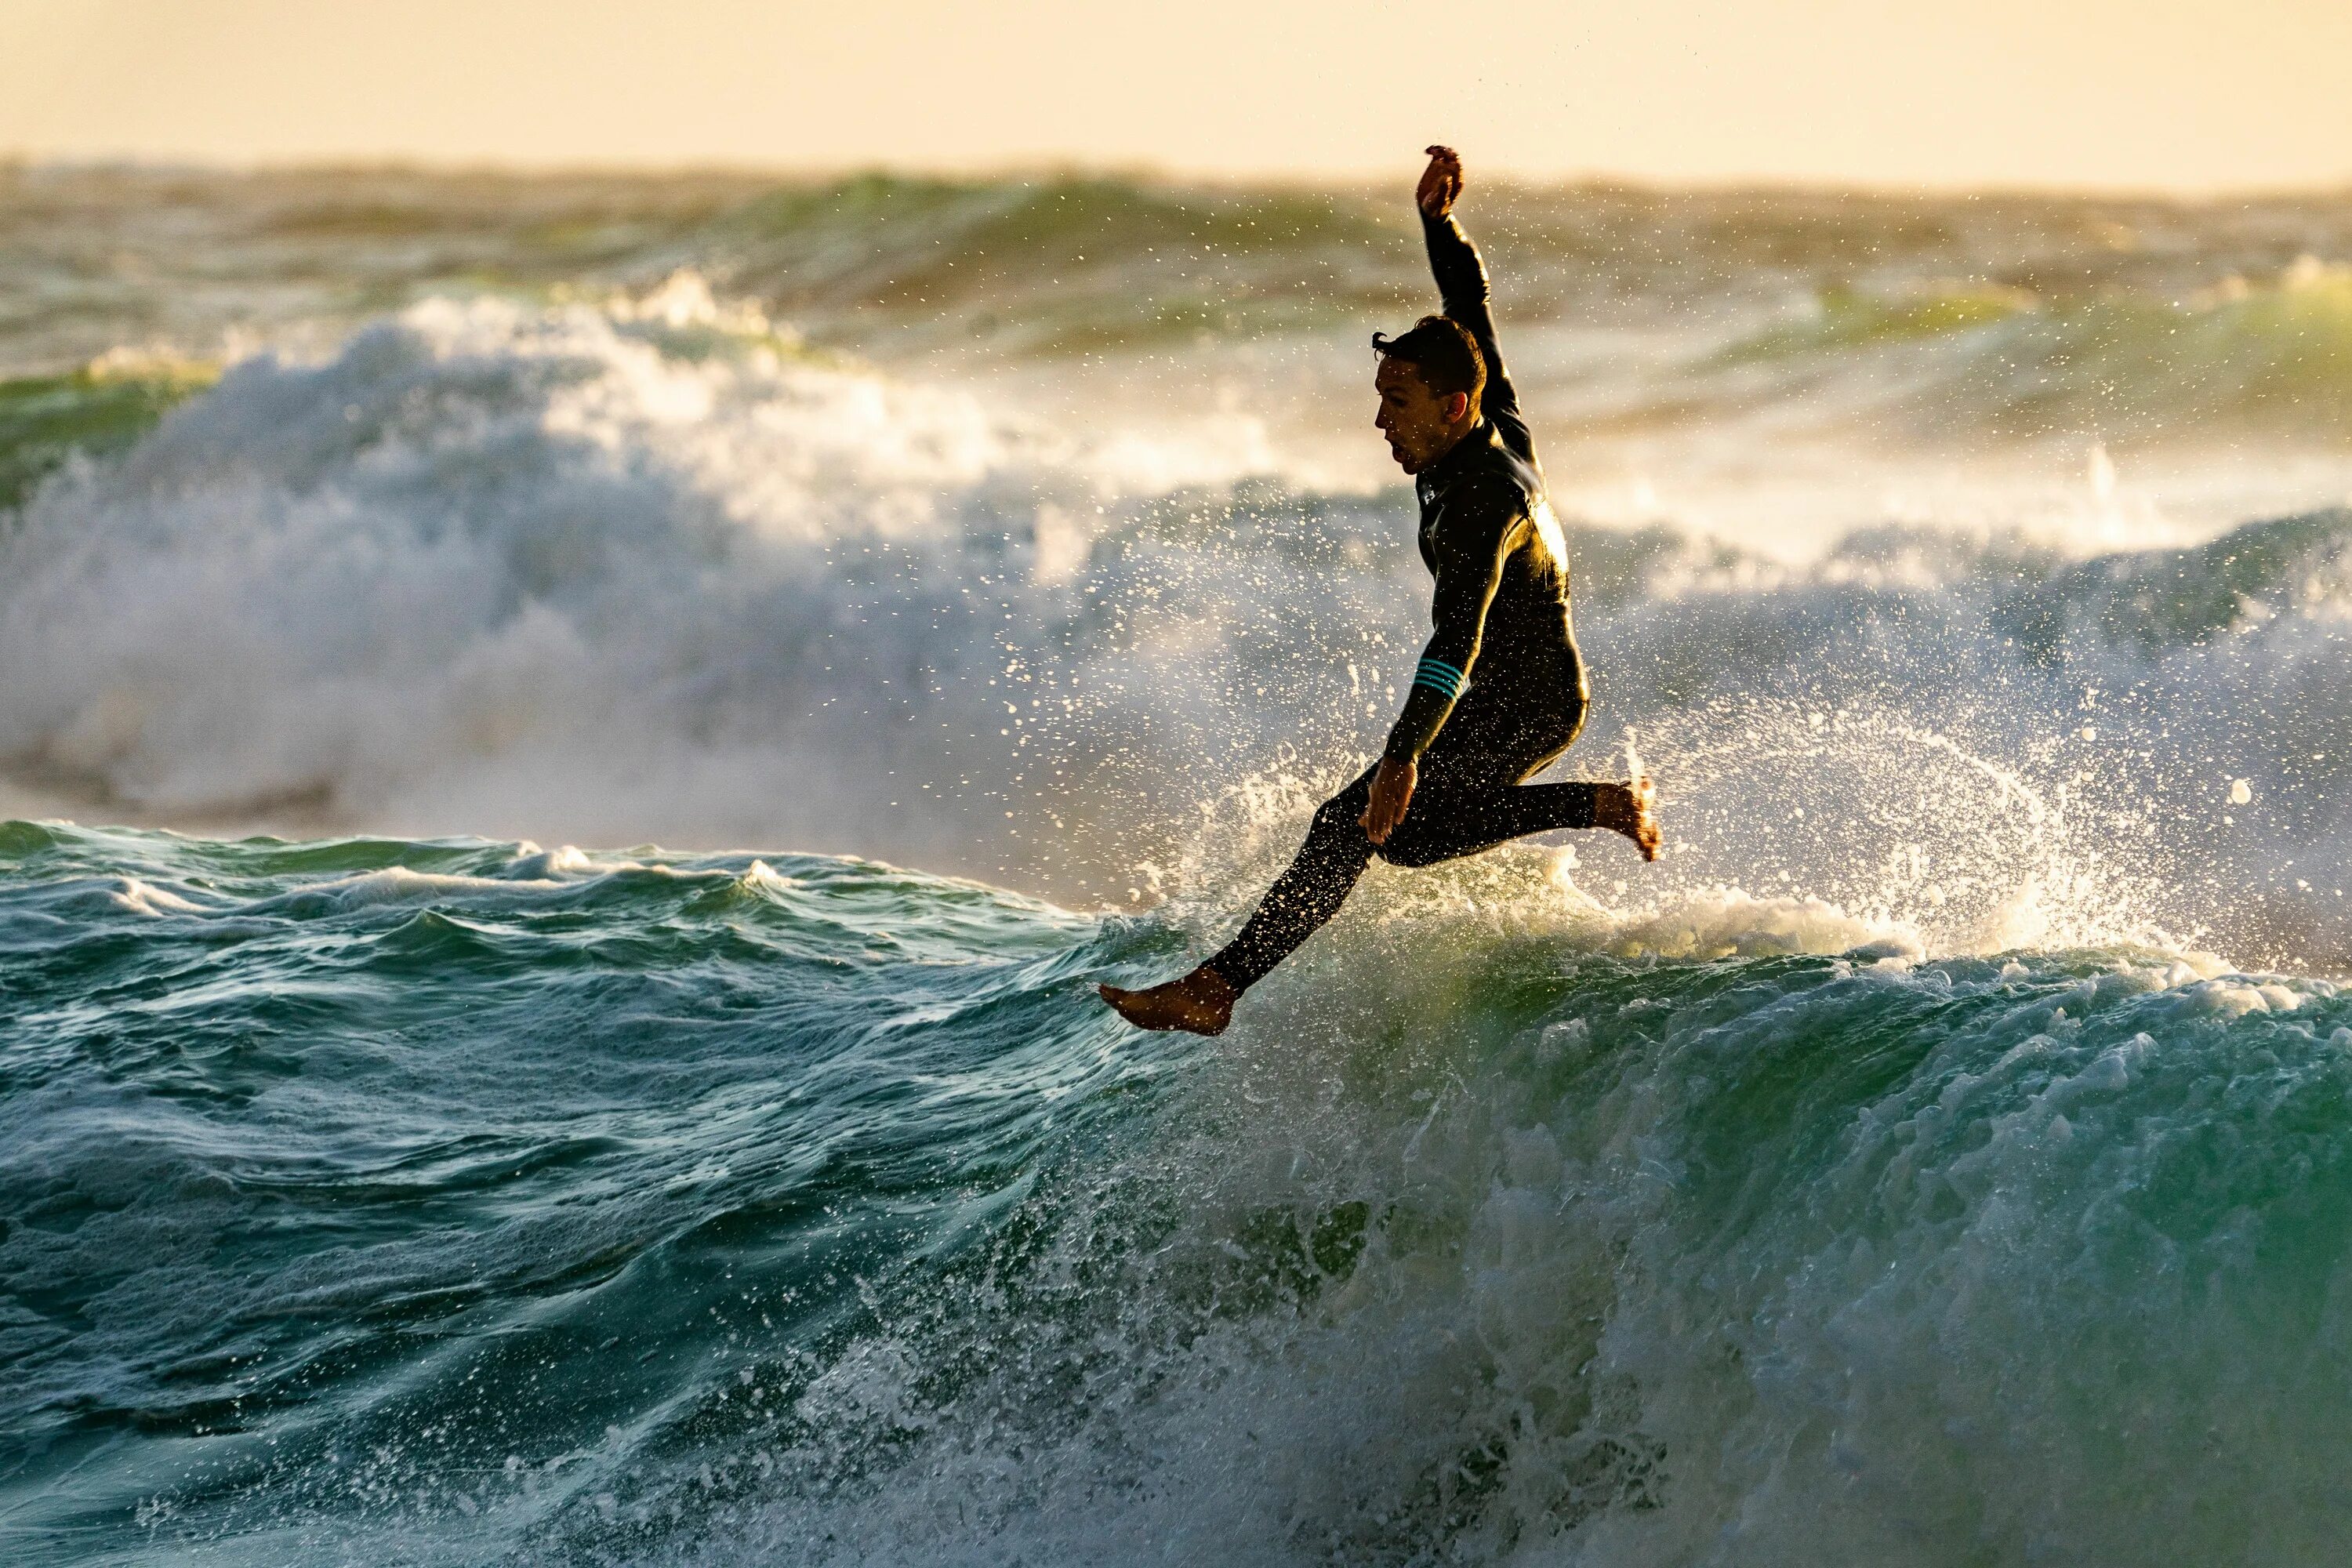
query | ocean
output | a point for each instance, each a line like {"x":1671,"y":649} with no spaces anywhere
{"x":572,"y":748}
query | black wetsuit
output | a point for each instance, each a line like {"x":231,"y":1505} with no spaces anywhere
{"x":1500,"y":689}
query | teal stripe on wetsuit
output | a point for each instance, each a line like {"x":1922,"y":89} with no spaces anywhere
{"x":1441,"y":677}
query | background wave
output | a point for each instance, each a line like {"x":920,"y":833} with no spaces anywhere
{"x":1955,"y":320}
{"x":652,"y":570}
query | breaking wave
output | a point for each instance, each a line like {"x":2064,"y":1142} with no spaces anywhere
{"x":655,"y":570}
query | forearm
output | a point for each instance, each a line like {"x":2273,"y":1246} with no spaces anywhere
{"x":1454,"y":262}
{"x":1462,"y":284}
{"x":1437,"y":685}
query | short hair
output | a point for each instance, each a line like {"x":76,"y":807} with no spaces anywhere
{"x":1443,"y":352}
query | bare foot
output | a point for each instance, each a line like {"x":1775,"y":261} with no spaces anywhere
{"x":1201,"y":1001}
{"x":1630,"y":808}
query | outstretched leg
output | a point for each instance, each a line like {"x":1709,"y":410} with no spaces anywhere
{"x":1309,"y":893}
{"x":1447,"y":823}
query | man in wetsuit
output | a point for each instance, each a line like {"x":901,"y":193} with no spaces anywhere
{"x":1499,"y":691}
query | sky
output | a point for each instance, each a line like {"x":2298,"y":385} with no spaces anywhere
{"x":2137,"y":94}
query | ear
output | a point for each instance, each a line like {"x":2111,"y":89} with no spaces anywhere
{"x":1458,"y":406}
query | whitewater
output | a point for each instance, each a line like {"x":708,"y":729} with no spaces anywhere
{"x":919,"y":600}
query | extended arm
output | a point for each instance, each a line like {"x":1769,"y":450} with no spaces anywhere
{"x":1462,"y":284}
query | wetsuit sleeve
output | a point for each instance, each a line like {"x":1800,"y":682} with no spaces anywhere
{"x":1471,"y":537}
{"x":1462,"y":285}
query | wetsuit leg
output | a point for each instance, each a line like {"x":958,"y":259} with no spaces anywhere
{"x":1445,"y":823}
{"x":1308,"y":893}
{"x":1470,"y":799}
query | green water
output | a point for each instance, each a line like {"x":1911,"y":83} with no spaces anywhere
{"x":455,"y":1202}
{"x":44,"y":420}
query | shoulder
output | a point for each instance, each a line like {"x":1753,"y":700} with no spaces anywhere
{"x":1519,"y":473}
{"x":1497,"y":486}
{"x":1481,"y":515}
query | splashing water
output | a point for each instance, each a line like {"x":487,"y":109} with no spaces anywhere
{"x":549,"y":571}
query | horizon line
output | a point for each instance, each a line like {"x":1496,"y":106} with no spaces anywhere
{"x":1043,"y":168}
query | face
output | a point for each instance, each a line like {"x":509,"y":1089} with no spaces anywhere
{"x":1420,"y":425}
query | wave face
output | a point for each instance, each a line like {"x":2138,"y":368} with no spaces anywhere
{"x":453,"y":1201}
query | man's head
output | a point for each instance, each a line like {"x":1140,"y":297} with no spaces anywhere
{"x":1429,"y":380}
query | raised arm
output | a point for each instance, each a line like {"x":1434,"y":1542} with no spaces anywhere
{"x":1472,"y":539}
{"x":1462,"y":285}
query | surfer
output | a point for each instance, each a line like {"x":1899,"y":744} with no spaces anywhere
{"x":1499,"y":691}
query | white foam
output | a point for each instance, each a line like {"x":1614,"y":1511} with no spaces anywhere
{"x":521,"y":570}
{"x":532,"y":864}
{"x":1724,"y":922}
{"x":400,"y":885}
{"x":141,"y":898}
{"x":545,"y":572}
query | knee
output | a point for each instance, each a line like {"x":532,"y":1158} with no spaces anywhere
{"x":1339,"y":831}
{"x":1405,"y":847}
{"x":1341,"y":817}
{"x":1416,"y":841}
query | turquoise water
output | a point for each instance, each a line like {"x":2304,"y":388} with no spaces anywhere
{"x":342,"y":1174}
{"x":379,"y":1201}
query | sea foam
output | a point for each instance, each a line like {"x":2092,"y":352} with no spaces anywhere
{"x":653,"y":569}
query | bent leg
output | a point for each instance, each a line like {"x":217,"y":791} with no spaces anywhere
{"x":1309,"y":893}
{"x":1451,"y":822}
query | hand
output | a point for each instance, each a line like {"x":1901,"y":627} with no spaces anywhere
{"x":1441,"y":183}
{"x":1391,"y":793}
